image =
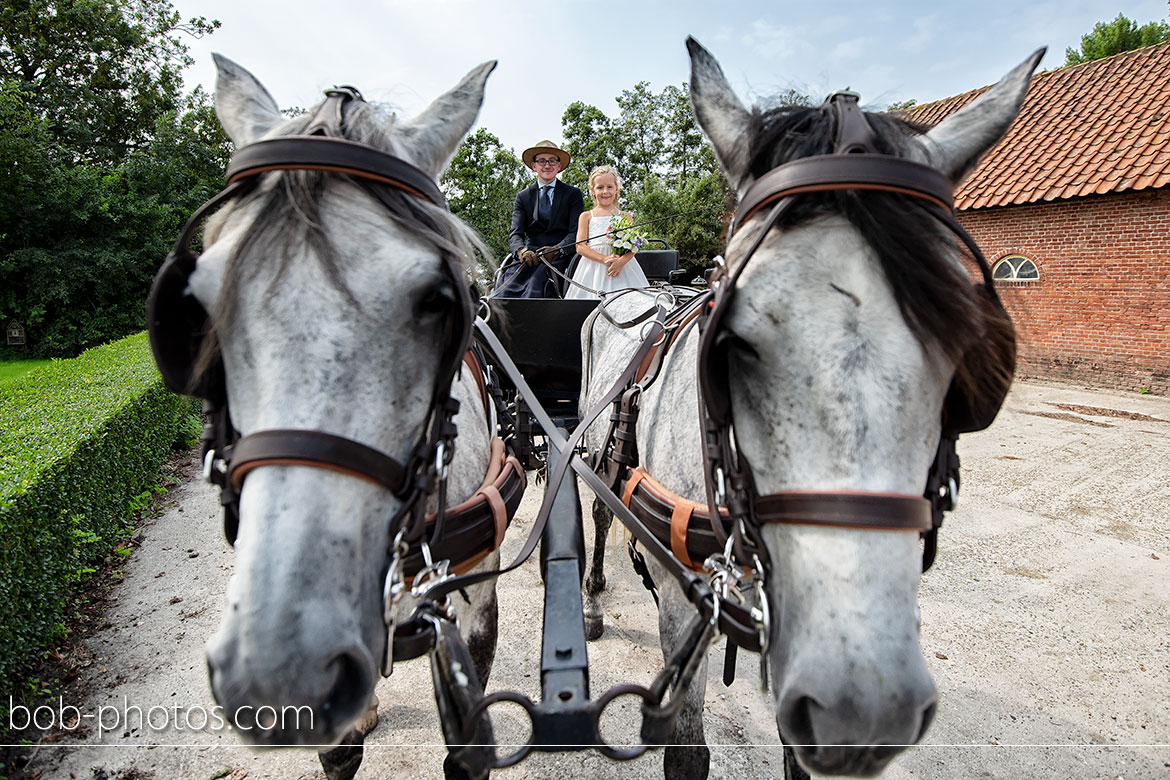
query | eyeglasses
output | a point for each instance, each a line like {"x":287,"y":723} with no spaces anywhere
{"x":548,"y":161}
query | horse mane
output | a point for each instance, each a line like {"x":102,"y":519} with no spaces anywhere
{"x":935,"y":296}
{"x":290,"y":218}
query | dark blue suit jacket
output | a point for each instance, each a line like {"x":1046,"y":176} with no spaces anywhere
{"x":529,"y":230}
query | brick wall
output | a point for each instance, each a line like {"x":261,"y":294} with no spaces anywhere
{"x":1100,"y":312}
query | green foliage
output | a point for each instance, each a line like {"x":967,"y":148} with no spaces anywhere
{"x":667,"y":166}
{"x":100,"y":73}
{"x":82,"y":241}
{"x":81,"y":442}
{"x":591,"y":141}
{"x":481,"y":184}
{"x":12,"y":369}
{"x":102,"y":162}
{"x":904,"y":105}
{"x":1109,"y":38}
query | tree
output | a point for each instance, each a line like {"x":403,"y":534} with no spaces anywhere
{"x":103,"y":160}
{"x":590,"y":141}
{"x":669,"y":172}
{"x":101,"y":71}
{"x":481,"y":184}
{"x":1109,"y":38}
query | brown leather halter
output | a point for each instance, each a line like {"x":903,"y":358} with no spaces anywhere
{"x":854,"y":165}
{"x":229,"y":458}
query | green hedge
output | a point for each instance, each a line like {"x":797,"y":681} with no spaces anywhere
{"x":81,"y":442}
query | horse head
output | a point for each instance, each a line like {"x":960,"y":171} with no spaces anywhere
{"x":850,"y":327}
{"x":331,"y":308}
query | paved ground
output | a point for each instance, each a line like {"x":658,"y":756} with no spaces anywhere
{"x":1045,"y":624}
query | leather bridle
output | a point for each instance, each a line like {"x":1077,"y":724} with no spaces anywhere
{"x":854,"y":165}
{"x":229,"y":458}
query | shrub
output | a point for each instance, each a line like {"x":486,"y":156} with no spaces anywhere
{"x":81,"y":441}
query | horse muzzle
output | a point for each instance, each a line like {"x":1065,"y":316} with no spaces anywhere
{"x":293,"y":702}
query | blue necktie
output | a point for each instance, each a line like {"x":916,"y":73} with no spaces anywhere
{"x":545,"y":209}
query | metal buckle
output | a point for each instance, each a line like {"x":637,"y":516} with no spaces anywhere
{"x":762,"y":615}
{"x":442,"y":460}
{"x":720,"y":487}
{"x":393,"y":589}
{"x":211,"y":462}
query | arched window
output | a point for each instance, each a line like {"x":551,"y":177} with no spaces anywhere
{"x":1015,"y":268}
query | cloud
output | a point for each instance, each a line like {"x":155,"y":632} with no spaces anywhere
{"x":776,"y":42}
{"x":925,"y":31}
{"x":853,"y":49}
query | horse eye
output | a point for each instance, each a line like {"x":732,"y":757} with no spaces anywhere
{"x":437,"y":300}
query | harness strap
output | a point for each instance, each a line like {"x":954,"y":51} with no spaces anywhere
{"x":472,"y":362}
{"x":332,"y":155}
{"x":667,"y":514}
{"x":848,"y":172}
{"x":476,"y":527}
{"x":680,"y":520}
{"x":679,"y":321}
{"x":288,"y":447}
{"x":492,"y":343}
{"x":846,"y":509}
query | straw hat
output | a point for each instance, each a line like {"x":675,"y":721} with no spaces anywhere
{"x":545,"y":146}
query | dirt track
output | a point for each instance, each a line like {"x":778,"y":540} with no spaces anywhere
{"x":1044,"y":621}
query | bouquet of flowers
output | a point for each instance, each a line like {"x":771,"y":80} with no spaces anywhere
{"x":625,"y":237}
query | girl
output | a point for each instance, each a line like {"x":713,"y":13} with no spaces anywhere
{"x":599,"y":268}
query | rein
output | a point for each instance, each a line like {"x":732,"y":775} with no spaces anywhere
{"x":511,"y":259}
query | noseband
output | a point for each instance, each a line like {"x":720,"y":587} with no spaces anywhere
{"x":177,"y":324}
{"x":854,"y":165}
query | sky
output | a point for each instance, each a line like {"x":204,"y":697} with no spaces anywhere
{"x":407,"y":52}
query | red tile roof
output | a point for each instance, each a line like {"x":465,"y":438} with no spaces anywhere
{"x":1089,"y":129}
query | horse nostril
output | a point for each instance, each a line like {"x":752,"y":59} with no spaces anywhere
{"x":353,"y":683}
{"x":798,"y":725}
{"x":927,"y":719}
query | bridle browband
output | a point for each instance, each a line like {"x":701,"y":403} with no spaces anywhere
{"x":330,"y":154}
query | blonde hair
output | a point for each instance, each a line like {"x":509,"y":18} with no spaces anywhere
{"x":601,"y":170}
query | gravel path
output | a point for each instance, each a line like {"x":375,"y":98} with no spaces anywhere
{"x":1044,"y":621}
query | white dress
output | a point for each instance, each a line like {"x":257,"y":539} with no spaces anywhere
{"x":594,"y":275}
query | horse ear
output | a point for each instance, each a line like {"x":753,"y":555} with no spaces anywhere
{"x":433,"y":136}
{"x":719,"y":112}
{"x":955,"y":145}
{"x":245,"y":109}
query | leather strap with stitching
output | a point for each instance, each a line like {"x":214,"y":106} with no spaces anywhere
{"x":332,"y":155}
{"x":847,"y":172}
{"x":846,"y":509}
{"x":288,"y":447}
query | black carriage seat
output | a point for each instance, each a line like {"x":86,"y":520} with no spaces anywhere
{"x":543,"y":338}
{"x":656,"y":263}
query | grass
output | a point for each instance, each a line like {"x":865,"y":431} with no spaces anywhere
{"x":11,"y":369}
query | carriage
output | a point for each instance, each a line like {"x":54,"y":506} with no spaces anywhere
{"x":543,"y":338}
{"x":342,"y":447}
